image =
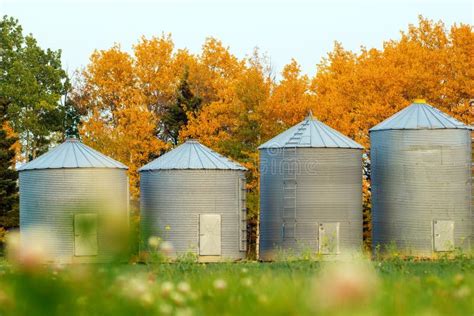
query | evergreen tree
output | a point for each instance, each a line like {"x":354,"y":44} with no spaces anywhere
{"x":8,"y":175}
{"x":175,"y":116}
{"x":72,"y":118}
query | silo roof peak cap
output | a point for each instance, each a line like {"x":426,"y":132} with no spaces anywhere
{"x":419,"y":101}
{"x":310,"y":115}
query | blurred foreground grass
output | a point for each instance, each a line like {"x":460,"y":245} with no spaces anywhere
{"x":391,"y":287}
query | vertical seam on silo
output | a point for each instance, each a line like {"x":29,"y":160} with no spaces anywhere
{"x":389,"y":120}
{"x":205,"y":154}
{"x":51,"y":161}
{"x":330,"y":135}
{"x":319,"y":133}
{"x":218,"y":157}
{"x":160,"y":163}
{"x":438,"y":114}
{"x":442,"y":115}
{"x":341,"y":137}
{"x":85,"y":156}
{"x":74,"y":154}
{"x":65,"y":156}
{"x":197,"y":155}
{"x":417,"y":119}
{"x":403,"y":113}
{"x":100,"y":156}
{"x":428,"y":119}
{"x":94,"y":154}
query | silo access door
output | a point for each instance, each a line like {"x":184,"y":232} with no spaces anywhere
{"x":329,"y":238}
{"x":209,"y":235}
{"x":85,"y":235}
{"x":443,"y":235}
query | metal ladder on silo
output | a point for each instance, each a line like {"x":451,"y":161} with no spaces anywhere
{"x":290,"y":169}
{"x":243,"y":217}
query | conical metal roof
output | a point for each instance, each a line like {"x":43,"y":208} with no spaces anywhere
{"x":72,"y":154}
{"x":192,"y":155}
{"x":311,"y":133}
{"x":420,"y":115}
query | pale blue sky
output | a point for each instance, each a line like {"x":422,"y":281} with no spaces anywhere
{"x":304,"y":30}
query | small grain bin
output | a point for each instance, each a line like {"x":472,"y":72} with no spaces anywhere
{"x":194,"y":198}
{"x":72,"y":200}
{"x":310,"y":192}
{"x":421,"y":182}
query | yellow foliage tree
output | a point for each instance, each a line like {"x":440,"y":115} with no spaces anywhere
{"x":118,"y":122}
{"x":243,"y":105}
{"x":354,"y":92}
{"x":230,"y":123}
{"x":289,"y":102}
{"x":156,"y":71}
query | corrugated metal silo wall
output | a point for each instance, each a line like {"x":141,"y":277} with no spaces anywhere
{"x":328,"y":190}
{"x":419,"y":176}
{"x":172,"y":200}
{"x":50,"y":198}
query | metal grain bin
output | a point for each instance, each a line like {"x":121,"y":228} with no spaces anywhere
{"x":472,"y":178}
{"x":194,"y":198}
{"x":310,"y":193}
{"x":71,"y":201}
{"x":421,"y":182}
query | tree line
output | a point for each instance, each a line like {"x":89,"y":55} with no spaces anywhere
{"x":136,"y":106}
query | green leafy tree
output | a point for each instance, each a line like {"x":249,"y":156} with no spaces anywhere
{"x":32,"y":82}
{"x":175,"y":116}
{"x":8,"y":175}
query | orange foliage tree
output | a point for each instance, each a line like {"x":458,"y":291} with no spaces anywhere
{"x":243,"y":105}
{"x":354,"y":92}
{"x":118,"y":121}
{"x":289,"y":102}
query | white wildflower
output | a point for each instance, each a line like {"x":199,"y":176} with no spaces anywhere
{"x":184,"y":287}
{"x":220,"y":284}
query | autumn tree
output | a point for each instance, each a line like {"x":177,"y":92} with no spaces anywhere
{"x":119,"y":122}
{"x":357,"y":91}
{"x":156,"y":72}
{"x":140,"y":105}
{"x":124,"y":98}
{"x":289,"y":102}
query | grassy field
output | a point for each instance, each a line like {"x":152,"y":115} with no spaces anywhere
{"x":390,"y":287}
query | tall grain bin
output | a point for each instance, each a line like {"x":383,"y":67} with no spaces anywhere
{"x":71,"y":201}
{"x":195,"y":199}
{"x":310,"y":192}
{"x":421,"y":182}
